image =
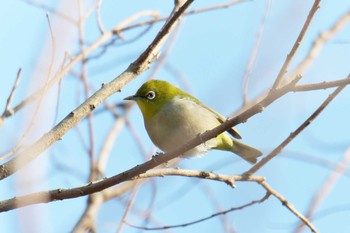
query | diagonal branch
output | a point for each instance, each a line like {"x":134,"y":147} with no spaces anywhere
{"x":14,"y":88}
{"x":97,"y":44}
{"x":296,"y":45}
{"x":317,"y":45}
{"x":288,"y":206}
{"x":306,"y":123}
{"x":137,"y":67}
{"x":326,"y":188}
{"x":60,"y":194}
{"x":254,"y":53}
{"x":261,"y":200}
{"x":8,"y":111}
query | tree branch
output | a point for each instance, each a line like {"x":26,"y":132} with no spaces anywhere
{"x":322,"y":85}
{"x":97,"y":44}
{"x":296,"y":45}
{"x":93,"y":187}
{"x":288,"y":206}
{"x":306,"y":123}
{"x":137,"y":67}
{"x":326,"y":188}
{"x":318,"y":44}
{"x":261,"y":200}
{"x":228,"y":179}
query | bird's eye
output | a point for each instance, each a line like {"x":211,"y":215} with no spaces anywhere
{"x":151,"y":95}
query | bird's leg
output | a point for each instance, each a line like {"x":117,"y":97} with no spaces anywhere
{"x":156,"y":155}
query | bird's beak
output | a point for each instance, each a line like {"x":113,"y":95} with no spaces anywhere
{"x":132,"y":97}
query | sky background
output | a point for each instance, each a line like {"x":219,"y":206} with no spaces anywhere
{"x":208,"y":58}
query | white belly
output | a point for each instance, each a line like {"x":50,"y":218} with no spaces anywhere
{"x":178,"y":122}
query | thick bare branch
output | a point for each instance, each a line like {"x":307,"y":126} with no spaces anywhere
{"x":157,"y":160}
{"x":137,"y":67}
{"x":97,"y":44}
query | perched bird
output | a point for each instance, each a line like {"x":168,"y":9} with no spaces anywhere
{"x":172,"y":117}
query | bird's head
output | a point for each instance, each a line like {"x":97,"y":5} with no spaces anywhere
{"x":153,"y":95}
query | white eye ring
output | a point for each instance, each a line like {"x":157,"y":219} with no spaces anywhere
{"x":151,"y":95}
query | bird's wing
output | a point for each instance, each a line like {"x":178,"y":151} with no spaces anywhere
{"x":221,"y":119}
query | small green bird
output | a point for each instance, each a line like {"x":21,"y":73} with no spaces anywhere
{"x":172,"y":117}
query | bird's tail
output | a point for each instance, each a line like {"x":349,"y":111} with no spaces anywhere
{"x":248,"y":153}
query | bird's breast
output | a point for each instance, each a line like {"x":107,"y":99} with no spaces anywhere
{"x":179,"y":121}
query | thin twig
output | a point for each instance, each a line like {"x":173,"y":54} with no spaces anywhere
{"x":209,"y":191}
{"x":261,"y":200}
{"x":154,"y":162}
{"x":191,"y":12}
{"x":83,"y":77}
{"x":109,"y":141}
{"x":89,"y":10}
{"x":326,"y":188}
{"x":128,"y":208}
{"x":98,"y":16}
{"x":86,"y":221}
{"x":105,"y":47}
{"x":166,"y":51}
{"x":296,"y":45}
{"x":318,"y":44}
{"x":40,"y":101}
{"x":254,"y":53}
{"x":59,"y":88}
{"x":305,"y":124}
{"x":216,"y":7}
{"x":8,"y":111}
{"x":318,"y":161}
{"x":100,"y":41}
{"x":288,"y":206}
{"x":48,"y":8}
{"x":141,"y":64}
{"x":322,"y":85}
{"x":137,"y":139}
{"x":14,"y":88}
{"x":228,"y":179}
{"x":129,"y":20}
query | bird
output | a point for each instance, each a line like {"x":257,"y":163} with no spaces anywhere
{"x":172,"y":117}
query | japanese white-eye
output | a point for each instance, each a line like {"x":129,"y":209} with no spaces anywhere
{"x":172,"y":117}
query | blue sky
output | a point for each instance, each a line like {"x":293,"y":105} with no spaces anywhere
{"x":210,"y":53}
